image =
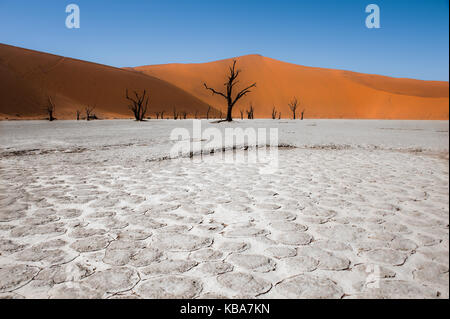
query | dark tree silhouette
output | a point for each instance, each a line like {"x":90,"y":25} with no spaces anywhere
{"x":139,"y":104}
{"x":250,"y":112}
{"x":228,"y":96}
{"x":242,"y":114}
{"x":89,"y":111}
{"x":175,"y":114}
{"x":293,"y":106}
{"x":207,"y":112}
{"x":78,"y":115}
{"x":303,"y":112}
{"x":274,"y":113}
{"x":50,"y":108}
{"x":162,"y":115}
{"x":279,"y":115}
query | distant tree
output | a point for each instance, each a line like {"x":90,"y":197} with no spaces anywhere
{"x":78,"y":115}
{"x":207,"y":112}
{"x":228,"y":96}
{"x":175,"y":114}
{"x":184,"y":114}
{"x":293,"y":106}
{"x":279,"y":115}
{"x":162,"y":115}
{"x":303,"y":112}
{"x":89,"y":111}
{"x":274,"y":113}
{"x":50,"y":108}
{"x":139,"y":104}
{"x":242,"y":114}
{"x":196,"y":114}
{"x":157,"y":115}
{"x":250,"y":112}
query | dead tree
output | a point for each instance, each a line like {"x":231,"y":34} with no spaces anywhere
{"x":184,"y":115}
{"x":293,"y":106}
{"x":50,"y":109}
{"x":228,"y":96}
{"x":157,"y":115}
{"x":274,"y":113}
{"x":139,"y":104}
{"x":196,"y":114}
{"x":242,"y":114}
{"x":162,"y":115}
{"x":89,"y":111}
{"x":175,"y":114}
{"x":279,"y":115}
{"x":303,"y":112}
{"x":207,"y":112}
{"x":250,"y":112}
{"x":78,"y":115}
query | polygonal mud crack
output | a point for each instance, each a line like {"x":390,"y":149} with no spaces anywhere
{"x":326,"y":259}
{"x":45,"y":257}
{"x":234,"y":247}
{"x":244,"y":231}
{"x":309,"y":287}
{"x":82,"y":232}
{"x":181,"y":242}
{"x":171,"y":287}
{"x":14,"y":277}
{"x":294,"y":238}
{"x":112,"y":280}
{"x":169,"y":266}
{"x":74,"y":290}
{"x":244,"y":283}
{"x":281,"y":252}
{"x":431,"y":272}
{"x":215,"y":267}
{"x":206,"y":254}
{"x":145,"y":257}
{"x":397,"y":289}
{"x":288,"y":226}
{"x":301,"y":264}
{"x":93,"y":243}
{"x":8,"y":246}
{"x":387,"y":256}
{"x":253,"y":262}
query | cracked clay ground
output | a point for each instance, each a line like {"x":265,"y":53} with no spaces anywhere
{"x":330,"y":223}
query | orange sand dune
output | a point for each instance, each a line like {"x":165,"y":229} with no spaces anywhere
{"x":323,"y":93}
{"x":28,"y":77}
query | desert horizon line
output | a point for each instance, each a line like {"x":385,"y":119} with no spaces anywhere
{"x":127,"y":68}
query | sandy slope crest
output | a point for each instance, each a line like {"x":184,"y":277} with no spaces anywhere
{"x":27,"y":77}
{"x":323,"y":93}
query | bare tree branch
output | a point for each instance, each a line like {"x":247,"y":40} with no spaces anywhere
{"x":293,"y":106}
{"x":230,"y":84}
{"x":138,"y":106}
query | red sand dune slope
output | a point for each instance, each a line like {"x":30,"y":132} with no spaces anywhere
{"x":28,"y":77}
{"x":323,"y":93}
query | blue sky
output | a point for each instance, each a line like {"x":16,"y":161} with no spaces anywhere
{"x":413,"y":40}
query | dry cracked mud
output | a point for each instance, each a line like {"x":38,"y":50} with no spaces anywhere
{"x":330,"y":223}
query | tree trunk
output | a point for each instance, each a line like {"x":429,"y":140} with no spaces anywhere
{"x":229,"y":117}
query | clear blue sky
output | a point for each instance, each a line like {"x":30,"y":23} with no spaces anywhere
{"x":413,"y":40}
